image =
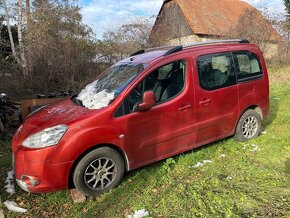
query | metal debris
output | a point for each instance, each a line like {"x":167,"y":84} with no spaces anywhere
{"x":10,"y":115}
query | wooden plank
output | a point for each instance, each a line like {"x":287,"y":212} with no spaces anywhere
{"x":27,"y":104}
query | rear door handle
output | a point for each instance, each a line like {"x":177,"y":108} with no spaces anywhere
{"x":184,"y":107}
{"x":205,"y":101}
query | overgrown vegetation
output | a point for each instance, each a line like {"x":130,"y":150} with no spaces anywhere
{"x":57,"y":51}
{"x":243,"y":183}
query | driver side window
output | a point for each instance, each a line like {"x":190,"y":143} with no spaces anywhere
{"x":166,"y":82}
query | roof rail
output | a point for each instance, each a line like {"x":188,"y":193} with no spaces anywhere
{"x":153,"y":49}
{"x":173,"y":50}
{"x":177,"y":48}
{"x":138,"y":52}
{"x":168,"y":47}
{"x":217,"y":42}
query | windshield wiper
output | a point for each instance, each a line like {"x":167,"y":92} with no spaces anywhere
{"x":77,"y":101}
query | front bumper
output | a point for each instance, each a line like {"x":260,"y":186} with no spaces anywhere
{"x":22,"y":185}
{"x":35,"y":173}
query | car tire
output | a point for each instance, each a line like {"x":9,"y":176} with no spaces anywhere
{"x":248,"y":127}
{"x":99,"y":171}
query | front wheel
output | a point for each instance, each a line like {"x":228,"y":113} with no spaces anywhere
{"x":248,"y":127}
{"x":99,"y":171}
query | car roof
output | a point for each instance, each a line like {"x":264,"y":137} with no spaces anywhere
{"x":146,"y":57}
{"x":152,"y":54}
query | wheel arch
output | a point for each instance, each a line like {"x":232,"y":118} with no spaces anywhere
{"x":238,"y":135}
{"x":112,"y":146}
{"x":253,"y":107}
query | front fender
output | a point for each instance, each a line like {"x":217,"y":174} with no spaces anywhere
{"x":77,"y":142}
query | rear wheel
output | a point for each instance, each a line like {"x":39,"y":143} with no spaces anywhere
{"x":248,"y":127}
{"x":99,"y":171}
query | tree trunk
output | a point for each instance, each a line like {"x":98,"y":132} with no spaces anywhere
{"x":27,"y":13}
{"x":20,"y":39}
{"x":1,"y":26}
{"x":10,"y":33}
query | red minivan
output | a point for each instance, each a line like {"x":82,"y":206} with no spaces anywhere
{"x":155,"y":104}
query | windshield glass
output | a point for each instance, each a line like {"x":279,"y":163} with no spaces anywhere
{"x":109,"y":85}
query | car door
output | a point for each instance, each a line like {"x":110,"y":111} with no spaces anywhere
{"x":216,"y":97}
{"x":252,"y":81}
{"x":167,"y":128}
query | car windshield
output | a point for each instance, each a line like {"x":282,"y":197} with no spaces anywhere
{"x":109,"y":85}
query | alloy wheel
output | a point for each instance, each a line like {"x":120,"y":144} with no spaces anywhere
{"x":100,"y":173}
{"x":250,"y":127}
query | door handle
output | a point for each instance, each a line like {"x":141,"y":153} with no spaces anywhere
{"x":205,"y":101}
{"x":184,"y":107}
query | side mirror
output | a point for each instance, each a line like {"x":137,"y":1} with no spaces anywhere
{"x":149,"y":100}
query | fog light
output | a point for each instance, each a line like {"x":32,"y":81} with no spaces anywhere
{"x":30,"y":181}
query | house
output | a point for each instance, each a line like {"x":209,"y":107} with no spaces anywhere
{"x":188,"y":21}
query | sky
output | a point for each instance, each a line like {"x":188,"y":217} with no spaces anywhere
{"x":102,"y":15}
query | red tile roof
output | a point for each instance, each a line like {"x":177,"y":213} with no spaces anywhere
{"x":214,"y":17}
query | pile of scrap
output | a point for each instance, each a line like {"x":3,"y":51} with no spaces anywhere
{"x":10,"y":113}
{"x":30,"y":105}
{"x":57,"y":94}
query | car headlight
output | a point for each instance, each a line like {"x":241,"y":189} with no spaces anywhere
{"x":47,"y":137}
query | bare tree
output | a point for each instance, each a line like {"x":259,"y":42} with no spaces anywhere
{"x":121,"y":41}
{"x":20,"y":38}
{"x":7,"y":18}
{"x":22,"y":60}
{"x":59,"y":47}
{"x":27,"y":13}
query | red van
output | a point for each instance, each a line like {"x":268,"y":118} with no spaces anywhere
{"x":155,"y":104}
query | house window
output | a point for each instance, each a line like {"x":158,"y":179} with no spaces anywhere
{"x":216,"y":71}
{"x":248,"y":66}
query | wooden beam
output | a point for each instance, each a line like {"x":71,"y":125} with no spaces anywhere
{"x":27,"y":104}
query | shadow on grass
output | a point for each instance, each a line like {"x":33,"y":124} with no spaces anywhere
{"x":274,"y":109}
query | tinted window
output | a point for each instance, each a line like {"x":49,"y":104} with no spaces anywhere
{"x":248,"y":66}
{"x":216,"y":71}
{"x":166,"y":82}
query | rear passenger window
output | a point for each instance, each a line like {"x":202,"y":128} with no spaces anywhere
{"x":248,"y":66}
{"x":216,"y":71}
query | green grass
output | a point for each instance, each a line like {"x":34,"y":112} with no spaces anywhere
{"x":260,"y":184}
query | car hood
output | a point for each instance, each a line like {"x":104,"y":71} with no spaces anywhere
{"x":62,"y":112}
